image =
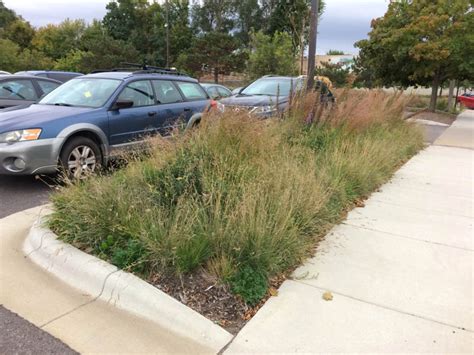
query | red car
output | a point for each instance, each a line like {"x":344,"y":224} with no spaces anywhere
{"x":467,"y":100}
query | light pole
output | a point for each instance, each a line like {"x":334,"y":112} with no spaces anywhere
{"x":312,"y":42}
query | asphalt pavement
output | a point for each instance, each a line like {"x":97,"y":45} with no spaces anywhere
{"x":18,"y":193}
{"x":18,"y":336}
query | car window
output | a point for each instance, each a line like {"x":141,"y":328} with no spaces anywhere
{"x":212,"y":91}
{"x":140,"y":92}
{"x":270,"y":87}
{"x":192,"y":91}
{"x":62,"y":77}
{"x":223,"y":92}
{"x":17,"y":90}
{"x":166,"y":92}
{"x":82,"y":92}
{"x":47,"y":86}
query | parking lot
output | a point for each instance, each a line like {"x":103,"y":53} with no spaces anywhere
{"x":18,"y":193}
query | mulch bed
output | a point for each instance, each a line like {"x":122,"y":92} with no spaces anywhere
{"x":204,"y":294}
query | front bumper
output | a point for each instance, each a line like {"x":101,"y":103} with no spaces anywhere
{"x":29,"y":157}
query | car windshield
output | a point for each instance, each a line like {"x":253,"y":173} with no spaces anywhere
{"x":271,"y":87}
{"x":84,"y":92}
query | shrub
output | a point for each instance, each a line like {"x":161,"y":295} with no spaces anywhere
{"x":242,"y":198}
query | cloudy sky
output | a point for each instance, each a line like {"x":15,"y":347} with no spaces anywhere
{"x":343,"y":23}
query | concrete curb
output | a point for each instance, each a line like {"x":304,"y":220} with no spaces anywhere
{"x":121,"y":289}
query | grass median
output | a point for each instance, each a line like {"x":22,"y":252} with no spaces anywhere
{"x":240,"y":200}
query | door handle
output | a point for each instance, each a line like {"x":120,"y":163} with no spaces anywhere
{"x":152,"y":113}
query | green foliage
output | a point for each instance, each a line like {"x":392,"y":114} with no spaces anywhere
{"x":243,"y":199}
{"x":8,"y":55}
{"x":271,"y":55}
{"x":334,"y":52}
{"x":216,"y":52}
{"x":56,"y":41}
{"x":250,"y":284}
{"x":421,"y":42}
{"x":7,"y":16}
{"x":291,"y":17}
{"x":20,"y":32}
{"x":73,"y":61}
{"x":338,"y":75}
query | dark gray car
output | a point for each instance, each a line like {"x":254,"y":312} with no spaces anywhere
{"x":23,"y":90}
{"x":58,"y":75}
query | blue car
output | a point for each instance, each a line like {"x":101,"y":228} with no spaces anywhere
{"x":86,"y":121}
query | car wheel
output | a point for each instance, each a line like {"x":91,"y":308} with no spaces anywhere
{"x":80,"y":158}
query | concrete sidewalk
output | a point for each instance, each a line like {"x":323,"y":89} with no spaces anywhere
{"x":84,"y":323}
{"x":400,"y":269}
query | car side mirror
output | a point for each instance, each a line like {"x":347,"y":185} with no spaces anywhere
{"x":120,"y":104}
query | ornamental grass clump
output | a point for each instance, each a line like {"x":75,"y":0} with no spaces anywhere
{"x":240,"y":198}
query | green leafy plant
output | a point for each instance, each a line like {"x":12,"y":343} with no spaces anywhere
{"x":250,"y":284}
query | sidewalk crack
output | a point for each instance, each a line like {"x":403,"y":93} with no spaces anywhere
{"x":81,"y":305}
{"x":324,"y":289}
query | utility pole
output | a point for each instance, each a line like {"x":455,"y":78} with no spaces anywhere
{"x":167,"y":36}
{"x":312,"y":42}
{"x":302,"y":46}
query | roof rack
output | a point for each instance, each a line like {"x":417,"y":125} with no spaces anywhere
{"x":144,"y":69}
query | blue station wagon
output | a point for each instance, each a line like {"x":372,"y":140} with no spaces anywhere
{"x":81,"y":125}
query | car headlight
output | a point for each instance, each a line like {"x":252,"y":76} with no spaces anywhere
{"x":264,"y":109}
{"x":21,"y":135}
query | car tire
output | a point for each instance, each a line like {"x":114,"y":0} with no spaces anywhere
{"x":80,"y":157}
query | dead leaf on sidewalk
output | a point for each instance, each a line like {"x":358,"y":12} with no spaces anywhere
{"x":327,"y":296}
{"x":273,"y":292}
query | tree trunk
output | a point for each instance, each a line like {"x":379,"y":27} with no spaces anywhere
{"x":452,"y":84}
{"x":216,"y":75}
{"x":434,"y":92}
{"x":457,"y":95}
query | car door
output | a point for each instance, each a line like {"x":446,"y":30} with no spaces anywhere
{"x":170,"y":106}
{"x":133,"y":123}
{"x":196,"y":99}
{"x":14,"y":92}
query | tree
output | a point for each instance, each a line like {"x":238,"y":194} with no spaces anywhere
{"x":101,"y":51}
{"x":7,"y":16}
{"x":271,"y":55}
{"x":334,"y":52}
{"x":123,"y":16}
{"x":420,"y":42}
{"x":215,"y":52}
{"x":20,"y":32}
{"x":8,"y":55}
{"x":213,"y":15}
{"x":249,"y":19}
{"x":338,"y":75}
{"x":56,"y":41}
{"x":292,"y":17}
{"x":13,"y":58}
